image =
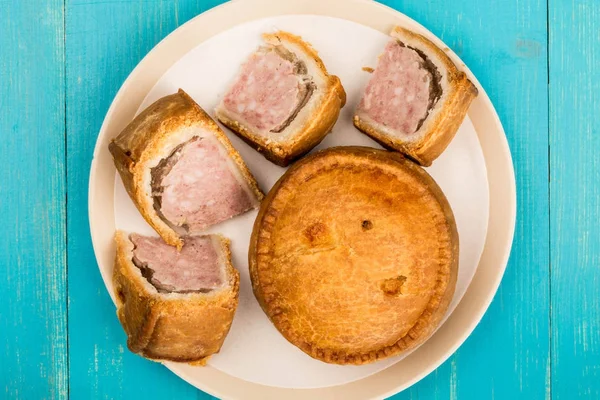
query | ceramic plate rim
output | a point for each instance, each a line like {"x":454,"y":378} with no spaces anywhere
{"x":494,"y":144}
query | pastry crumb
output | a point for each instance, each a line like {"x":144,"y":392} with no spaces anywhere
{"x":200,"y":363}
{"x":393,"y":286}
{"x":368,"y":69}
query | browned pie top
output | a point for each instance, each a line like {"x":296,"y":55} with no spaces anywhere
{"x":354,"y":255}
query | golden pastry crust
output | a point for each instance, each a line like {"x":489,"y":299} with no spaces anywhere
{"x":174,"y":327}
{"x":443,"y":126}
{"x":354,"y":255}
{"x":314,"y":129}
{"x":143,"y":140}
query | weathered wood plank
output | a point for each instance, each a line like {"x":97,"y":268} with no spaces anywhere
{"x":575,"y":197}
{"x":105,"y":41}
{"x":504,"y":44}
{"x":33,"y":314}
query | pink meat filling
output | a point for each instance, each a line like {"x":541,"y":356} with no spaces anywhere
{"x":266,"y":92}
{"x":195,"y":268}
{"x":200,"y":190}
{"x":397,"y":95}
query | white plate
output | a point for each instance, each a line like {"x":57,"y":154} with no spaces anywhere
{"x":254,"y":350}
{"x":254,"y":353}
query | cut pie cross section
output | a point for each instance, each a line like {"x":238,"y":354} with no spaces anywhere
{"x":180,"y":169}
{"x":175,"y":305}
{"x":283,"y":102}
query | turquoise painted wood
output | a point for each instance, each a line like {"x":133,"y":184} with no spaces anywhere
{"x":575,"y":197}
{"x":33,"y":269}
{"x":62,"y":62}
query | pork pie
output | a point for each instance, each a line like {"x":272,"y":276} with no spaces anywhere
{"x":354,"y":255}
{"x":283,"y":102}
{"x":175,"y":305}
{"x":180,"y":169}
{"x":416,"y":99}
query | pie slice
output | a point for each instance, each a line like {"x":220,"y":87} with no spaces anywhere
{"x":180,"y":169}
{"x":283,"y":101}
{"x":354,"y":255}
{"x":175,"y":305}
{"x":416,"y":99}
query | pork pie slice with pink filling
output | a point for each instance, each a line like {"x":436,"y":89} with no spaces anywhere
{"x":416,"y":99}
{"x":283,"y":102}
{"x":175,"y":305}
{"x":180,"y":169}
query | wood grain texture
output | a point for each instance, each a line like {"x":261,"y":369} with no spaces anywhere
{"x":33,"y":319}
{"x":505,"y":45}
{"x":105,"y":41}
{"x":575,"y":197}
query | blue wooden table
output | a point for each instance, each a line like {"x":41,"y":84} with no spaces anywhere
{"x":62,"y":62}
